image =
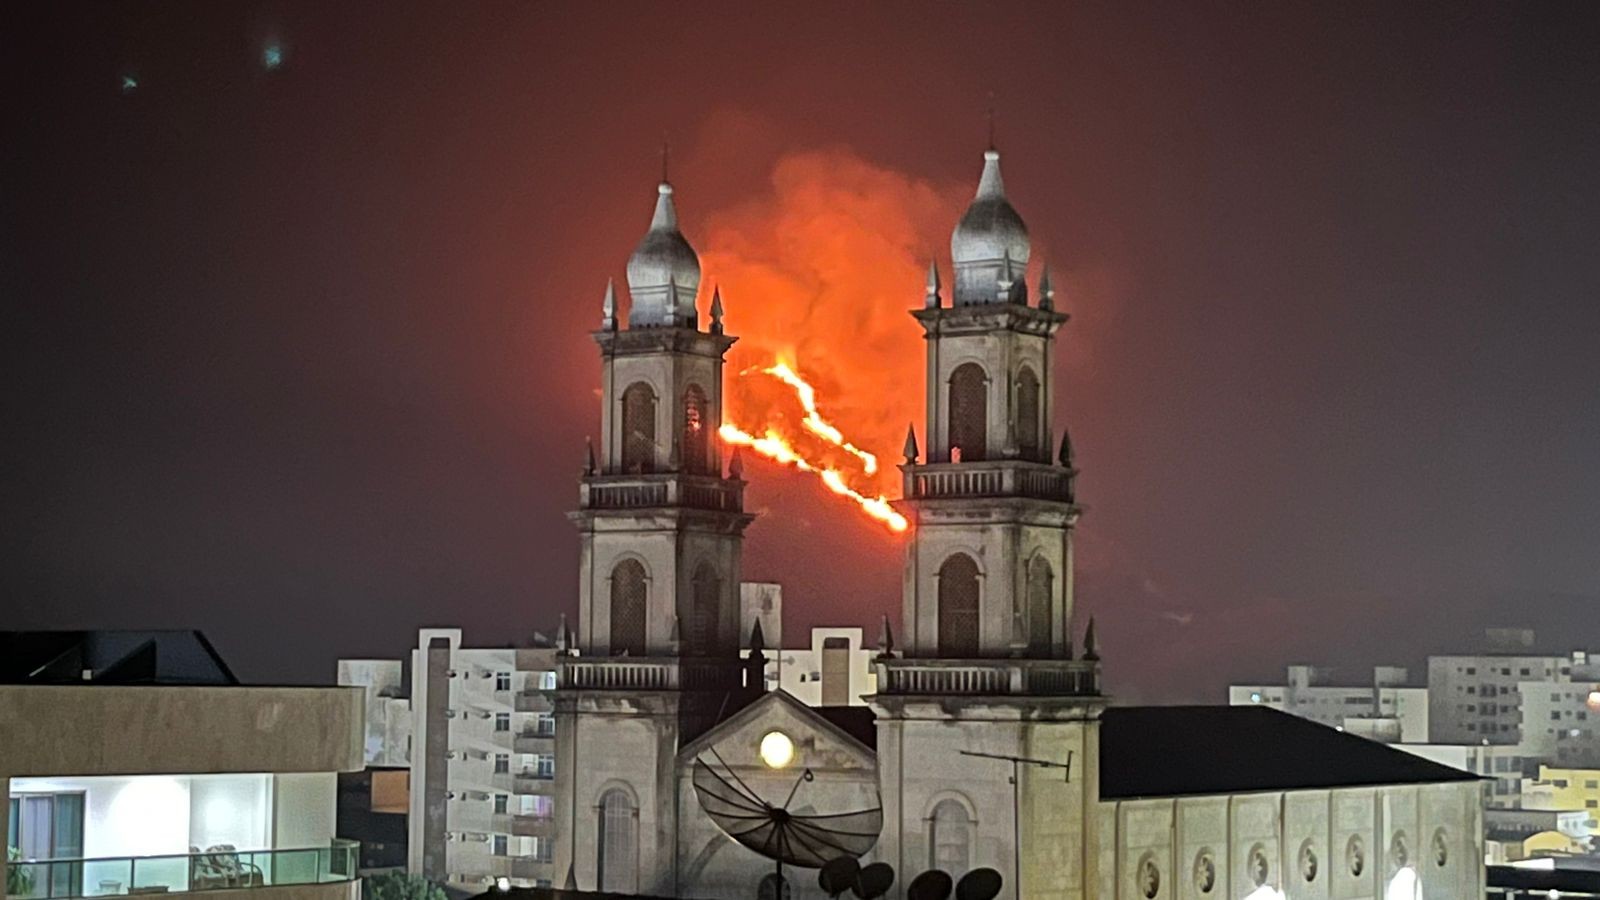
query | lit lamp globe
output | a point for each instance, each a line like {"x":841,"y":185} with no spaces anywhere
{"x":777,"y":751}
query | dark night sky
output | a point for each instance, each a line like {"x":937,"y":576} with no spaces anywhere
{"x":299,"y":357}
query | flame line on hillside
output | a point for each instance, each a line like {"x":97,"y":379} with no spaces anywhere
{"x":773,"y":446}
{"x":814,"y":422}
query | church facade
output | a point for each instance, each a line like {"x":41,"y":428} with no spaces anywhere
{"x":982,"y":745}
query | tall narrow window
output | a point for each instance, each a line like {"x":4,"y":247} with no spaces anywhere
{"x":705,"y":600}
{"x":628,"y":608}
{"x":958,"y":607}
{"x":1028,"y":415}
{"x":1041,"y":594}
{"x":969,"y":412}
{"x":951,"y":840}
{"x":617,"y":853}
{"x":638,"y":428}
{"x":696,"y":431}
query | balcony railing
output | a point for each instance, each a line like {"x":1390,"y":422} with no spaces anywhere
{"x":534,"y":701}
{"x":1011,"y":478}
{"x":525,"y":825}
{"x":1030,"y":677}
{"x":542,"y":741}
{"x":647,"y":491}
{"x":531,"y":781}
{"x":646,"y":674}
{"x":222,"y":870}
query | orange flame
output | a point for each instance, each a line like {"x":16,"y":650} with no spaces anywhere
{"x":773,"y":445}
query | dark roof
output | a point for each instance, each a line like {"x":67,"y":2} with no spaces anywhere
{"x":856,"y":721}
{"x":1172,"y":751}
{"x":111,"y":657}
{"x":1568,"y":881}
{"x":538,"y":893}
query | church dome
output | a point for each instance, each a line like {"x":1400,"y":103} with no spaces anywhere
{"x":664,"y":271}
{"x":990,"y":229}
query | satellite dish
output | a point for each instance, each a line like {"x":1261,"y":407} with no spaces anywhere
{"x":979,"y":884}
{"x":874,"y":881}
{"x":930,"y":885}
{"x":838,"y":875}
{"x":807,"y":840}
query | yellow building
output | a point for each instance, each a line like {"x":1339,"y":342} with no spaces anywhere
{"x":1566,"y":789}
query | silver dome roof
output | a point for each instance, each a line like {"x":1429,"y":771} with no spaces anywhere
{"x":990,"y":229}
{"x":664,"y":271}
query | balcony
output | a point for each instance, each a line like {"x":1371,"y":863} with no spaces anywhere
{"x":228,"y":870}
{"x":1003,"y":478}
{"x":540,"y":741}
{"x":982,"y":677}
{"x":708,"y":492}
{"x":624,"y":673}
{"x":530,"y":781}
{"x":524,"y":825}
{"x":524,"y":867}
{"x":534,"y":701}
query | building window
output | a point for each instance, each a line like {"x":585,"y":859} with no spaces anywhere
{"x":545,"y":765}
{"x":705,"y":601}
{"x":969,"y":413}
{"x":544,"y":725}
{"x":958,"y":608}
{"x":1028,"y":416}
{"x":547,"y":681}
{"x":502,"y":681}
{"x":696,"y":431}
{"x":638,"y":428}
{"x":544,"y":850}
{"x":502,"y":721}
{"x":1041,"y":594}
{"x":502,"y":763}
{"x":616,"y":857}
{"x":628,"y":589}
{"x":951,"y":842}
{"x":500,"y":842}
{"x":500,"y":801}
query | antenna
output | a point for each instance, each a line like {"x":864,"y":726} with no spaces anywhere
{"x":1017,"y":762}
{"x":666,"y":154}
{"x":991,"y":120}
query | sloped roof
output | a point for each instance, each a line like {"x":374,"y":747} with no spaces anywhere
{"x":111,"y":657}
{"x":1174,"y":751}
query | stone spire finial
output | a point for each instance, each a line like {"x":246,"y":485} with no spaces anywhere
{"x":675,"y":455}
{"x":608,"y":308}
{"x":1047,"y":292}
{"x":736,"y":464}
{"x":1006,"y":278}
{"x":756,"y":661}
{"x":1091,"y":646}
{"x":588,"y":456}
{"x":716,"y":310}
{"x":662,"y":269}
{"x":1065,"y":457}
{"x":675,"y":635}
{"x":563,"y":636}
{"x":758,"y":642}
{"x":910,"y":450}
{"x":885,"y":639}
{"x":932,"y":301}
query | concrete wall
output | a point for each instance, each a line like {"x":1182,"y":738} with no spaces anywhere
{"x":105,"y":730}
{"x":1344,"y":844}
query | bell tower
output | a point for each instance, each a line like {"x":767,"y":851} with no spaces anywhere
{"x":989,"y":565}
{"x":985,"y":673}
{"x":661,"y":522}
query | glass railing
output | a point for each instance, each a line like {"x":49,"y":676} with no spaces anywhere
{"x":230,"y":870}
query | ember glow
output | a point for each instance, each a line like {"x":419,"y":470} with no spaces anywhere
{"x":816,"y":446}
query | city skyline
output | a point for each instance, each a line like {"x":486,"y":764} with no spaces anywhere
{"x":302,"y":358}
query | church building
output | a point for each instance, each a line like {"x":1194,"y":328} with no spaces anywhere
{"x":988,"y":742}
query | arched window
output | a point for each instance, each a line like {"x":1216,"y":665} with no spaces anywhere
{"x":969,"y":411}
{"x":958,"y":607}
{"x":638,"y":428}
{"x":773,"y":887}
{"x":696,"y":431}
{"x":1041,"y":591}
{"x":627,"y":608}
{"x":705,"y":600}
{"x":617,"y":853}
{"x":950,"y":841}
{"x":1028,"y":415}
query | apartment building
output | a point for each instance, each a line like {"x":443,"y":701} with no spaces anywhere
{"x":134,"y":763}
{"x":1386,"y":708}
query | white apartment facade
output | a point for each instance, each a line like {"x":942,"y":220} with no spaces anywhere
{"x":1387,"y":708}
{"x":482,"y":762}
